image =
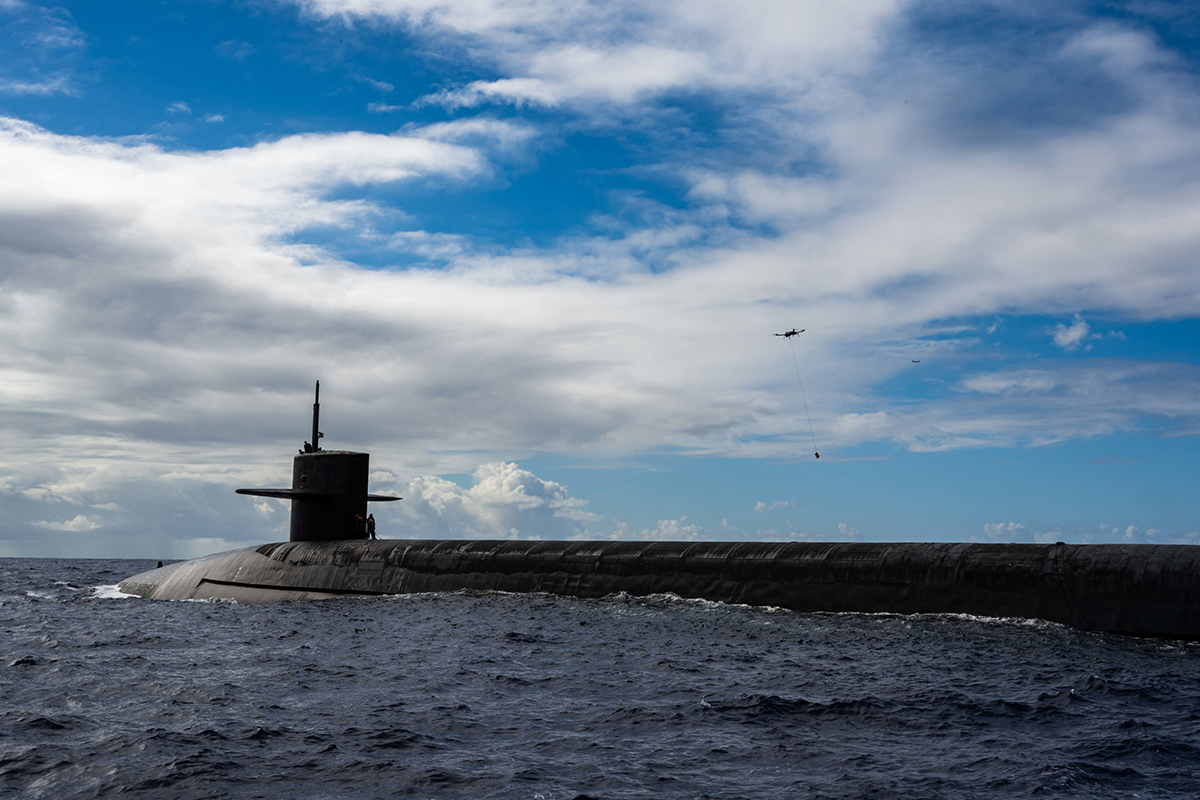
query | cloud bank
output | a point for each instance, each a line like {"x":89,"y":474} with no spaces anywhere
{"x":863,"y":178}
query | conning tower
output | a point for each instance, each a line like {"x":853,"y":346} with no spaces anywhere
{"x":329,"y":489}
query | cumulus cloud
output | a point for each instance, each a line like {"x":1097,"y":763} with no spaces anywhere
{"x":761,"y":508}
{"x":1135,"y":535}
{"x":1007,"y":532}
{"x":667,"y":530}
{"x":1004,"y":532}
{"x":503,"y":502}
{"x":79,"y":523}
{"x":266,"y":509}
{"x":1073,"y":337}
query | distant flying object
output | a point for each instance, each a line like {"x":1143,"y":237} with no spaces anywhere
{"x":916,"y":362}
{"x":791,"y":333}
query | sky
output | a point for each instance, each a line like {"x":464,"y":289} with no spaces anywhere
{"x":536,"y":252}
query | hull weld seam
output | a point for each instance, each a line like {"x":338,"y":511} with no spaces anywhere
{"x":242,"y":585}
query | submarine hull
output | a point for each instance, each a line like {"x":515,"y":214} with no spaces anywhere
{"x":1142,"y":590}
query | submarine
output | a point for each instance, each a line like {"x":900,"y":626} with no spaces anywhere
{"x":1137,"y":590}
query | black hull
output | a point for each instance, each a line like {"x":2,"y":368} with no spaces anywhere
{"x":1143,"y":590}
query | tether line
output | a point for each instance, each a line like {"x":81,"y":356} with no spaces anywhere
{"x":796,"y":363}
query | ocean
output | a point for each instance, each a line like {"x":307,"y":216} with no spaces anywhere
{"x":486,"y":695}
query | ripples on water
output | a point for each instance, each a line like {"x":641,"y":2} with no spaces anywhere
{"x":484,"y":695}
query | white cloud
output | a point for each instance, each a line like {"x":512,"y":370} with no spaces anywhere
{"x":761,"y":508}
{"x":266,"y":189}
{"x":1007,"y":532}
{"x":503,"y":502}
{"x":853,"y":534}
{"x":1082,"y":534}
{"x":1013,"y":382}
{"x":1135,"y":535}
{"x":382,"y":86}
{"x":516,"y":91}
{"x":179,"y":107}
{"x":182,"y":283}
{"x":191,"y":299}
{"x":383,"y":108}
{"x":667,"y":530}
{"x":79,"y":523}
{"x":974,"y":229}
{"x":1073,"y":337}
{"x":44,"y":47}
{"x":557,"y":50}
{"x":54,"y":84}
{"x":489,"y":134}
{"x":214,"y":117}
{"x":1039,"y":406}
{"x":793,"y":534}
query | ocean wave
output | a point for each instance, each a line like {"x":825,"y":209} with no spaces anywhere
{"x":111,"y":592}
{"x":479,"y":694}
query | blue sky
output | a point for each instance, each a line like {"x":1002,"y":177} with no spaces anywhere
{"x":536,"y":252}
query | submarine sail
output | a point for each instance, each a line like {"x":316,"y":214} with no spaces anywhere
{"x":328,"y":492}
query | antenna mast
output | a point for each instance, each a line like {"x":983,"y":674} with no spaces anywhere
{"x":316,"y":443}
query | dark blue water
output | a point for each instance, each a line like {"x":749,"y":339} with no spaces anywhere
{"x":510,"y":696}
